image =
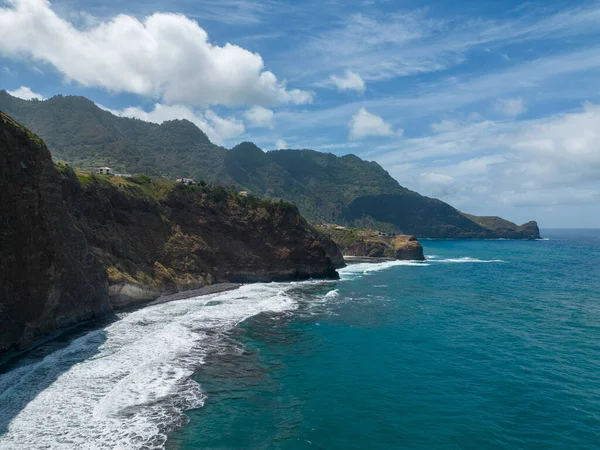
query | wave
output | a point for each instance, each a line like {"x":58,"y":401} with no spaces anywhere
{"x":126,"y":385}
{"x":351,"y":271}
{"x":332,"y":294}
{"x":467,"y":259}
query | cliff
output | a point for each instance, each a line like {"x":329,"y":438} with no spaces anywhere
{"x":504,"y":229}
{"x":156,"y":237}
{"x":373,"y":244}
{"x":76,"y":246}
{"x":48,"y":277}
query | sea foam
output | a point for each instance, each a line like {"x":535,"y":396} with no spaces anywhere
{"x":126,"y":385}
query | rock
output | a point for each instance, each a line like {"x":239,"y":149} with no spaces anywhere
{"x":77,"y":247}
{"x":157,"y":238}
{"x":48,"y":277}
{"x":407,"y":248}
{"x":369,"y":243}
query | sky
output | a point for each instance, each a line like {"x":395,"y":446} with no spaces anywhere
{"x":492,"y":105}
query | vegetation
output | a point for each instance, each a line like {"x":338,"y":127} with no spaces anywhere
{"x":345,"y":190}
{"x":359,"y":241}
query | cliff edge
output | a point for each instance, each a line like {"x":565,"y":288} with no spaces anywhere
{"x":48,"y":277}
{"x":74,"y":246}
{"x":157,"y":237}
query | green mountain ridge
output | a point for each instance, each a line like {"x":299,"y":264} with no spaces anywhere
{"x":345,"y":190}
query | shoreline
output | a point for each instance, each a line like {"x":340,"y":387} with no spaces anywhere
{"x":7,"y":360}
{"x":200,"y":292}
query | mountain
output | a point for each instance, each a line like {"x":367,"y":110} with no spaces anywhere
{"x":75,"y":245}
{"x":326,"y":188}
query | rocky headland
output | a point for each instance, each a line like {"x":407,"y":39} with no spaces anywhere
{"x":373,"y":244}
{"x":74,"y":246}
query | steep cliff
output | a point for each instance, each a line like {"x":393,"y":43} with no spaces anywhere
{"x":48,"y":277}
{"x":156,"y":237}
{"x":76,"y":246}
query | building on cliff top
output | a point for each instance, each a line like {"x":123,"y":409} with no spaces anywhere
{"x":186,"y":181}
{"x":105,"y":171}
{"x":244,"y":193}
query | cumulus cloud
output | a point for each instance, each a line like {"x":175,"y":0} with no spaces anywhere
{"x":351,"y":81}
{"x":257,"y":116}
{"x":164,"y":56}
{"x":364,"y":124}
{"x":217,"y":129}
{"x":281,"y":144}
{"x":26,"y":94}
{"x":511,"y":107}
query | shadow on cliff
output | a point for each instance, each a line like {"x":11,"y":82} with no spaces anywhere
{"x":24,"y":378}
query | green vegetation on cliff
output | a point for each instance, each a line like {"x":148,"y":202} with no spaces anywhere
{"x":345,"y":190}
{"x":371,"y":243}
{"x":74,"y":245}
{"x":155,"y":236}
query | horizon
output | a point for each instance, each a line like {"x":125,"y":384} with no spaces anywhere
{"x":492,"y":108}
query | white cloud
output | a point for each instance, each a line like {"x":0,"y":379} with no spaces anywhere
{"x":281,"y":144}
{"x":26,"y":94}
{"x":257,"y":116}
{"x":512,"y":107}
{"x":226,"y":128}
{"x":494,"y":164}
{"x":437,"y":178}
{"x":364,"y":124}
{"x":216,"y":128}
{"x":413,"y":41}
{"x":163,"y":56}
{"x":444,"y":125}
{"x":351,"y":81}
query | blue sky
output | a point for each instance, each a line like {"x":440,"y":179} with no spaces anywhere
{"x":492,"y":106}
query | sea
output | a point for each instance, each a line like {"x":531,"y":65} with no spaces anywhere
{"x":489,"y":344}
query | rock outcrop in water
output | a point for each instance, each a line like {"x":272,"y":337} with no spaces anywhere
{"x":407,"y":248}
{"x":76,"y":246}
{"x":48,"y":277}
{"x":373,"y":244}
{"x":156,"y":237}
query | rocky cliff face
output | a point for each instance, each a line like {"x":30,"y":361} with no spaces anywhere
{"x":48,"y":277}
{"x":76,"y":247}
{"x":156,"y":237}
{"x":373,"y":244}
{"x":407,"y":248}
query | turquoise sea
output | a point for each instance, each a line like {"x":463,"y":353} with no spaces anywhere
{"x":486,"y":345}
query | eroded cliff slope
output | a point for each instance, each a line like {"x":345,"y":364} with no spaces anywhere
{"x":156,"y":237}
{"x":76,"y":246}
{"x":48,"y":277}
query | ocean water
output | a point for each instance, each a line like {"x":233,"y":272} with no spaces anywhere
{"x":486,"y":345}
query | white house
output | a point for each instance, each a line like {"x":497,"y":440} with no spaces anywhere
{"x":105,"y":171}
{"x":186,"y":181}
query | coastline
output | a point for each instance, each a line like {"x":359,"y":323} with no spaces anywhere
{"x":8,"y":359}
{"x":200,"y":292}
